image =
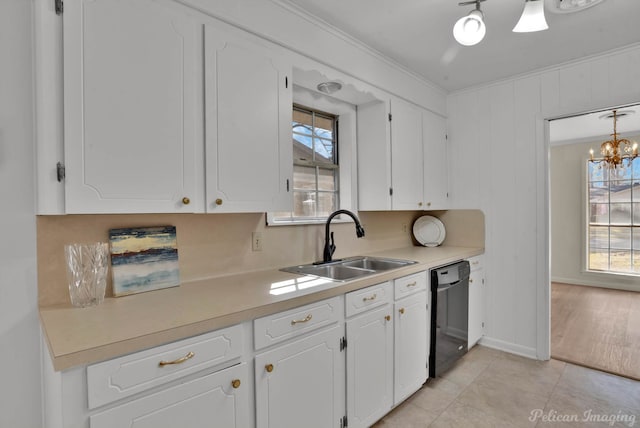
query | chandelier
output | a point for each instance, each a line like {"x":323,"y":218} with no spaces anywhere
{"x":616,"y":150}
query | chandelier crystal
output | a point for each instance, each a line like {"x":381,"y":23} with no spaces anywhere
{"x":616,"y":150}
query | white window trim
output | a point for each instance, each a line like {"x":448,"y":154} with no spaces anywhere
{"x":348,"y":194}
{"x":586,"y":225}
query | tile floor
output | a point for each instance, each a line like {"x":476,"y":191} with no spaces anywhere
{"x":489,"y":388}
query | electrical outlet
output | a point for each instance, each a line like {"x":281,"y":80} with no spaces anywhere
{"x":256,"y":241}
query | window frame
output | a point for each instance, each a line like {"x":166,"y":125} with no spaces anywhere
{"x":347,"y":180}
{"x":633,"y":178}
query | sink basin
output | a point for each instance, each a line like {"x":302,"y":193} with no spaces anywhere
{"x":347,"y":269}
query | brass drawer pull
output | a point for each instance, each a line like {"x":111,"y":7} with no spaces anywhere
{"x":218,"y":201}
{"x":412,"y":284}
{"x":186,"y":200}
{"x":178,"y":361}
{"x":269,"y":368}
{"x":305,"y":319}
{"x":387,"y":317}
{"x":235,"y":383}
{"x":401,"y":310}
{"x":366,"y":299}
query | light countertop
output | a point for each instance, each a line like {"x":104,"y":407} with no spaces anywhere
{"x":119,"y":326}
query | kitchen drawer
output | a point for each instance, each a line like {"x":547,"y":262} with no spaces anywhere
{"x":285,"y":325}
{"x":371,"y":297}
{"x":220,"y":399}
{"x":476,"y":262}
{"x":124,"y":376}
{"x":409,"y":284}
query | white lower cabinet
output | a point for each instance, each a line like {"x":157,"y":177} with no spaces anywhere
{"x":369,"y":366}
{"x":301,"y":383}
{"x":218,"y":400}
{"x":476,"y":300}
{"x":411,"y":342}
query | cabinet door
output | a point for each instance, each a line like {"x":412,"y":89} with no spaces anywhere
{"x":406,"y":156}
{"x":218,"y":400}
{"x":248,"y":98}
{"x":369,"y":366}
{"x":130,"y":107}
{"x":476,"y":306}
{"x":374,"y":157}
{"x":301,"y":384}
{"x":410,"y":345}
{"x":436,"y":170}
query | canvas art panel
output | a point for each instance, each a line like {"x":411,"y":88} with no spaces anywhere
{"x":143,"y":259}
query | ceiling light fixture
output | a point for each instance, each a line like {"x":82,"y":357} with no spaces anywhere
{"x":532,"y":18}
{"x":615,"y":151}
{"x":470,"y":29}
{"x":329,"y":87}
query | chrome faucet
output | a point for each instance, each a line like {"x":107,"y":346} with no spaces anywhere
{"x":330,"y":248}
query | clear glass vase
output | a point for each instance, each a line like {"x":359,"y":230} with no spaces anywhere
{"x":87,"y":269}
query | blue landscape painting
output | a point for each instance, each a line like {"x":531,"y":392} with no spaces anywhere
{"x":143,"y":259}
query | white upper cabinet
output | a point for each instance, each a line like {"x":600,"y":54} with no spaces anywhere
{"x":131,"y":110}
{"x":436,"y":169}
{"x":402,"y":157}
{"x":374,"y":157}
{"x":406,"y":156}
{"x":248,"y":100}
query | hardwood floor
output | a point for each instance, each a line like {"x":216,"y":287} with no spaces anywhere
{"x":597,"y":328}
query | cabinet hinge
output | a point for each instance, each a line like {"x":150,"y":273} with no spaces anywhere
{"x":287,"y":184}
{"x":390,"y":191}
{"x":390,"y":117}
{"x":447,"y":194}
{"x":60,"y":171}
{"x":343,"y":422}
{"x":59,"y":6}
{"x":286,"y":81}
{"x":343,"y":343}
{"x":483,"y":325}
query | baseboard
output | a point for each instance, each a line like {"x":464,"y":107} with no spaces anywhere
{"x":599,"y":284}
{"x":512,"y":348}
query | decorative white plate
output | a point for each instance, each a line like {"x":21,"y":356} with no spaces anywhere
{"x":429,"y":231}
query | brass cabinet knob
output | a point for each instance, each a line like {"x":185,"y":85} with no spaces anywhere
{"x":388,"y":317}
{"x":186,"y":200}
{"x":419,"y":204}
{"x":428,"y":204}
{"x":401,"y":310}
{"x":235,"y":383}
{"x":470,"y":280}
{"x":269,"y":368}
{"x":218,"y":201}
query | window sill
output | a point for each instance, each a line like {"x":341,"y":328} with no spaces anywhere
{"x":307,"y":222}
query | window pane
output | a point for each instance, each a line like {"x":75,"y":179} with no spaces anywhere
{"x":620,"y":238}
{"x":620,"y":191}
{"x":303,"y":117}
{"x":327,"y":203}
{"x":636,"y":261}
{"x":620,"y":261}
{"x":304,"y":204}
{"x":597,"y":172}
{"x":304,"y":177}
{"x":599,"y":259}
{"x":635,"y":192}
{"x":327,"y":179}
{"x":599,"y":237}
{"x":599,"y":214}
{"x":599,"y":192}
{"x":636,"y":168}
{"x":620,"y":214}
{"x":324,"y":151}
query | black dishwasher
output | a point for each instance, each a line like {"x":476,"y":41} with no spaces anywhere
{"x":449,"y":316}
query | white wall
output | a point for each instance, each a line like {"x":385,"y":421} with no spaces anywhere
{"x":19,"y":327}
{"x":499,"y":159}
{"x":568,"y":218}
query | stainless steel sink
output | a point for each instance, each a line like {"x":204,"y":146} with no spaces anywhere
{"x":347,"y":269}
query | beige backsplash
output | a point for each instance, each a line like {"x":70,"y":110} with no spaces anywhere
{"x":212,"y":245}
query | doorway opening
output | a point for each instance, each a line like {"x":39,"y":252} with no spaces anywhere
{"x":595,"y":226}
